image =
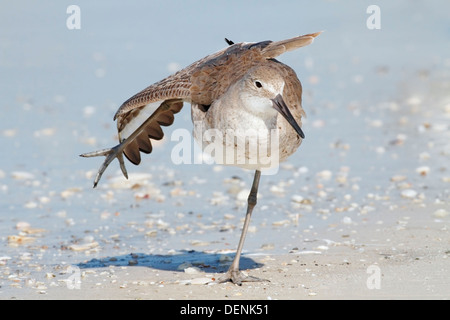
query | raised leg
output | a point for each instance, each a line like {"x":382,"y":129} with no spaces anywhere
{"x":233,"y":274}
{"x":173,"y":105}
{"x":110,"y":154}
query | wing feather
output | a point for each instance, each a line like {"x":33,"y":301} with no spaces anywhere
{"x":274,"y":49}
{"x":140,"y":137}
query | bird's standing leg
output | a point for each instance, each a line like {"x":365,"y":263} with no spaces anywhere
{"x":233,"y":274}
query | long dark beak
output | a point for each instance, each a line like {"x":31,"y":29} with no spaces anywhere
{"x":281,"y":107}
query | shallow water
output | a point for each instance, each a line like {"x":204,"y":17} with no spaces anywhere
{"x":377,"y":132}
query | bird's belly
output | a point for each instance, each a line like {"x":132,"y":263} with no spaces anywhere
{"x":237,"y":140}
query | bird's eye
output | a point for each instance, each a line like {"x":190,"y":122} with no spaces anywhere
{"x":258,"y":84}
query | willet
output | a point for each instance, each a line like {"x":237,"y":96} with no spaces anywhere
{"x":239,"y":88}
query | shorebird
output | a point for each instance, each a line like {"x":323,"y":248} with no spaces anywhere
{"x":238,"y":88}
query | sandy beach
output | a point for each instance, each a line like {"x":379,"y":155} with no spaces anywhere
{"x":401,"y":261}
{"x":360,"y":211}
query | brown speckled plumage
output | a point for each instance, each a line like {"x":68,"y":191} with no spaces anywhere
{"x":203,"y":82}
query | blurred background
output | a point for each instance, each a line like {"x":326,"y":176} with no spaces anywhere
{"x":377,"y":131}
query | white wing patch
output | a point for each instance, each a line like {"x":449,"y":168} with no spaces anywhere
{"x":136,"y":122}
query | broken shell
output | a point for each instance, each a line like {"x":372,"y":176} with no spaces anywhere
{"x":297,"y":198}
{"x":83,"y":247}
{"x":151,"y":233}
{"x":324,"y":174}
{"x":409,"y":193}
{"x":398,"y":178}
{"x":423,"y":171}
{"x":22,"y":175}
{"x":441,"y":213}
{"x":192,"y":270}
{"x":19,"y":240}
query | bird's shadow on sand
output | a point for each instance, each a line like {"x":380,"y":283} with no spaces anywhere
{"x":208,"y":262}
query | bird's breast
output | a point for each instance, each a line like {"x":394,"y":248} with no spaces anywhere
{"x":233,"y":136}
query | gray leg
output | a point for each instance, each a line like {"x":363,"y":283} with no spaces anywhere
{"x":233,"y":274}
{"x":110,"y":154}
